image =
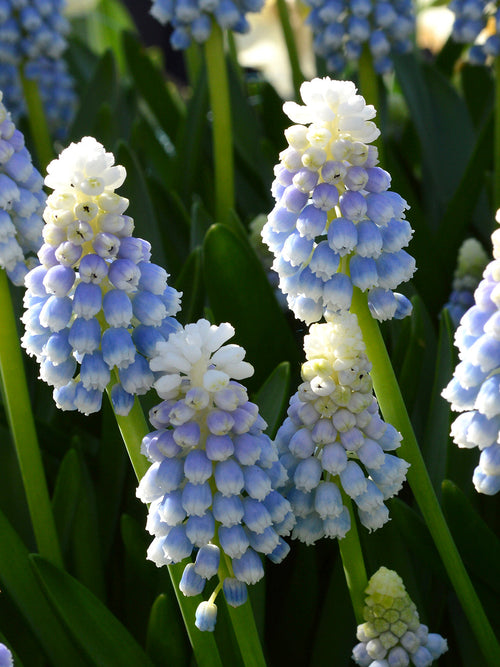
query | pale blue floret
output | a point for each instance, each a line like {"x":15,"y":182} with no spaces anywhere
{"x":206,"y":616}
{"x":191,"y":20}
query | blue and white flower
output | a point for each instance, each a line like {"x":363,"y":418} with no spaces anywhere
{"x":211,"y":488}
{"x":474,"y":389}
{"x":334,"y":441}
{"x":21,"y":202}
{"x":392,"y":634}
{"x":96,"y":305}
{"x":336,"y":225}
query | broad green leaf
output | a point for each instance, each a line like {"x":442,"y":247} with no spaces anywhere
{"x":81,"y":61}
{"x":272,"y":397}
{"x":105,"y":25}
{"x":140,"y":206}
{"x":477,"y":543}
{"x":437,"y":432}
{"x":192,"y":144}
{"x":201,"y":221}
{"x":153,"y":148}
{"x":239,"y":292}
{"x":478,"y":89}
{"x":20,"y":584}
{"x":190,"y":283}
{"x":101,"y":89}
{"x":161,"y":99}
{"x":173,"y":223}
{"x":100,"y":635}
{"x":166,"y":634}
{"x":66,"y":497}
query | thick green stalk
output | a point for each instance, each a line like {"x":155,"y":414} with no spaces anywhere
{"x":291,"y":45}
{"x":218,"y":85}
{"x":133,"y":428}
{"x":368,"y":87}
{"x":243,"y":622}
{"x":353,"y":564}
{"x":22,"y":426}
{"x":39,"y":130}
{"x":394,"y":411}
{"x":496,"y":192}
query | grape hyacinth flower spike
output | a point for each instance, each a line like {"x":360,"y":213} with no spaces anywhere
{"x":33,"y":38}
{"x":192,"y":21}
{"x":341,"y":31}
{"x":21,"y":202}
{"x":472,"y":260}
{"x":392,"y":633}
{"x":212,"y":483}
{"x":474,"y":389}
{"x":96,"y":304}
{"x":334,"y":439}
{"x":336,"y":224}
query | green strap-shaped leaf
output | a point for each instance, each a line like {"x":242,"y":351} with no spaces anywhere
{"x":20,"y":584}
{"x":437,"y":432}
{"x":150,"y":82}
{"x":166,"y":634}
{"x":239,"y":292}
{"x":66,"y":497}
{"x":90,"y":624}
{"x":102,"y":88}
{"x":478,"y":544}
{"x":190,"y":283}
{"x":272,"y":397}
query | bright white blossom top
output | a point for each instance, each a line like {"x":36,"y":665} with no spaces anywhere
{"x":336,"y":112}
{"x":336,"y":225}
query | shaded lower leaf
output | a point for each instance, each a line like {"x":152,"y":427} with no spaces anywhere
{"x":66,"y":497}
{"x":190,"y":283}
{"x":21,"y":585}
{"x":166,"y":635}
{"x":98,"y":632}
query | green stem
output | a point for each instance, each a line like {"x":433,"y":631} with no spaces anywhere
{"x":220,"y":103}
{"x":369,"y":88}
{"x":394,"y":411}
{"x":243,"y":622}
{"x":291,"y":45}
{"x":353,"y":564}
{"x":193,"y":62}
{"x":39,"y":130}
{"x":133,"y":428}
{"x":496,"y":192}
{"x":22,"y":426}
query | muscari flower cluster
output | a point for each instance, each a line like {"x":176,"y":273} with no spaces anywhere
{"x":472,"y":260}
{"x":477,"y":22}
{"x":21,"y":201}
{"x":96,"y":302}
{"x":32,"y":36}
{"x":336,"y":224}
{"x":211,"y":485}
{"x":392,"y":635}
{"x":192,"y":19}
{"x":334,"y":439}
{"x":474,"y":390}
{"x":342,"y":30}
